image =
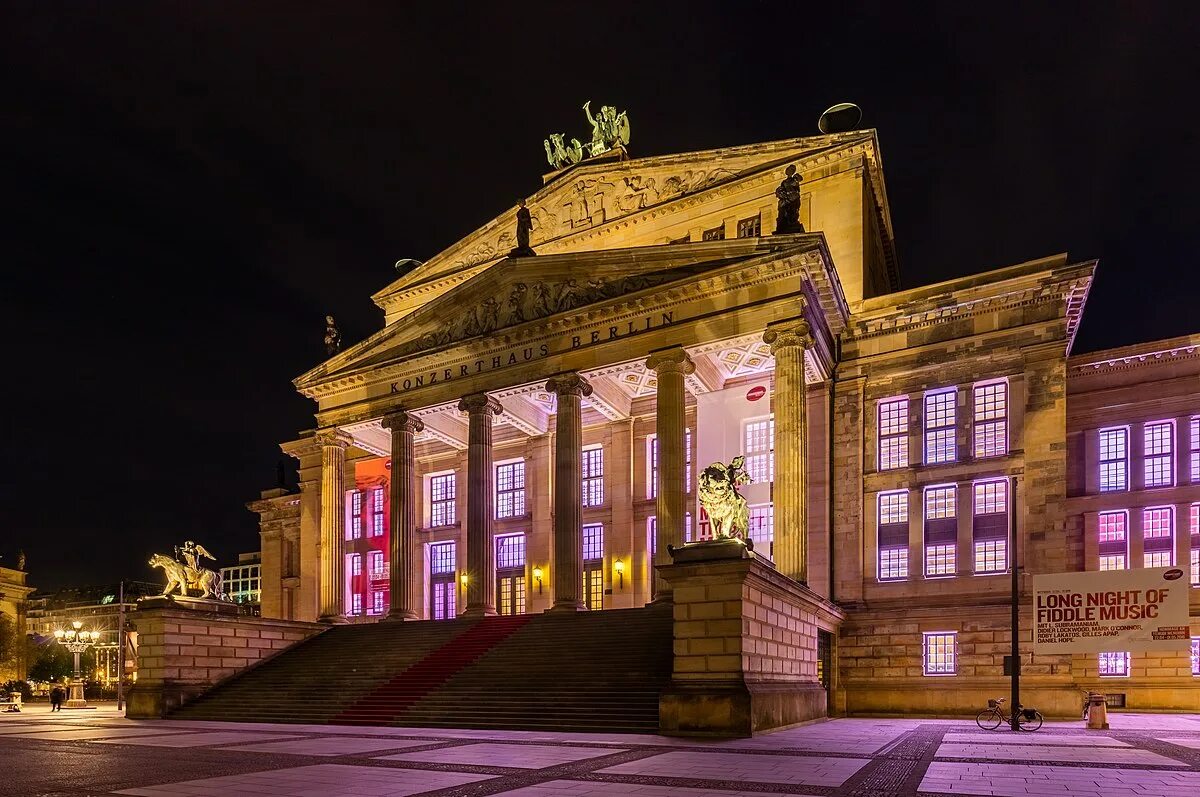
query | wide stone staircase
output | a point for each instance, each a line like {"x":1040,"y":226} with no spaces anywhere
{"x":591,"y":671}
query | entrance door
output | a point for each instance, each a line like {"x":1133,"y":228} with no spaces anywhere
{"x":442,"y":586}
{"x":510,"y":574}
{"x":825,"y":666}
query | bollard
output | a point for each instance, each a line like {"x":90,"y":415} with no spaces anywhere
{"x":1097,"y":712}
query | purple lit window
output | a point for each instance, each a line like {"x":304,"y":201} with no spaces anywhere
{"x":376,"y":603}
{"x":1114,"y":459}
{"x":593,"y":476}
{"x":356,"y":564}
{"x":442,"y":589}
{"x":941,"y":531}
{"x":893,"y":536}
{"x":991,"y":420}
{"x":1158,"y":537}
{"x":593,"y":542}
{"x":377,"y":509}
{"x":1114,"y":540}
{"x":510,"y":551}
{"x":375,"y":564}
{"x":759,"y":449}
{"x":1194,"y":528}
{"x":1114,"y":664}
{"x":762,"y":529}
{"x":441,"y":558}
{"x":652,"y":525}
{"x":510,"y":489}
{"x":990,"y":526}
{"x":1194,"y":447}
{"x":939,"y":427}
{"x":1158,"y":459}
{"x":442,"y":495}
{"x":356,"y":516}
{"x":893,"y":433}
{"x":1195,"y":656}
{"x":939,"y":653}
{"x":687,"y":465}
{"x":356,"y":604}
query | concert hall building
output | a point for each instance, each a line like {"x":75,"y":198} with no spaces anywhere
{"x":525,"y":434}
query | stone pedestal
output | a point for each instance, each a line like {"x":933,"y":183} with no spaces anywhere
{"x":745,"y":644}
{"x":76,"y":699}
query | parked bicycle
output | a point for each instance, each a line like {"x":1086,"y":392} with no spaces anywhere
{"x":991,"y":718}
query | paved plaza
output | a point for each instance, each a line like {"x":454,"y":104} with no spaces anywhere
{"x":100,"y":752}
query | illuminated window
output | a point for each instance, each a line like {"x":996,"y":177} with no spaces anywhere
{"x":750,"y":228}
{"x":356,"y":564}
{"x":1158,"y":537}
{"x":1114,"y":459}
{"x":593,"y":476}
{"x":939,"y":653}
{"x":356,"y":604}
{"x":375,"y":564}
{"x":939,"y":427}
{"x":1194,"y":447}
{"x":687,"y":465}
{"x":715,"y":234}
{"x":510,"y":574}
{"x":762,"y":529}
{"x":893,"y":433}
{"x":356,"y":515}
{"x":1195,"y":656}
{"x":941,"y":530}
{"x":510,"y":551}
{"x":990,"y":526}
{"x":991,"y":419}
{"x":442,"y":495}
{"x":442,"y":587}
{"x":1114,"y":540}
{"x":652,"y":526}
{"x":441,"y":558}
{"x":377,"y":512}
{"x":893,"y":536}
{"x":376,"y":603}
{"x":1114,"y":664}
{"x":1194,"y":528}
{"x":1158,"y":457}
{"x":759,"y":448}
{"x":593,"y":565}
{"x":510,"y":489}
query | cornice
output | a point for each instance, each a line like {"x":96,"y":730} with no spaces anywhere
{"x":1135,"y":360}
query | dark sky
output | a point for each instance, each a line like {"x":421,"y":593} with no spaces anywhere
{"x":190,"y":187}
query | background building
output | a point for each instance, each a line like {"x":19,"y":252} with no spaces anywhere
{"x":14,"y":594}
{"x":243,"y":582}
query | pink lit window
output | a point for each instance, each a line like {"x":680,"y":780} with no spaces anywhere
{"x":893,"y":536}
{"x":762,"y":529}
{"x":939,"y":427}
{"x":1195,"y":656}
{"x":1194,"y":529}
{"x":1114,"y":459}
{"x":510,"y":489}
{"x":356,"y":604}
{"x":1114,"y":664}
{"x":593,"y":542}
{"x":593,"y":476}
{"x":356,"y":564}
{"x":441,"y":500}
{"x":1159,"y":457}
{"x":1158,"y":539}
{"x":356,"y":516}
{"x":377,"y":512}
{"x":1194,"y":447}
{"x":1114,"y":542}
{"x":375,"y":565}
{"x":939,"y":653}
{"x":941,"y":531}
{"x":376,"y":606}
{"x":991,"y":420}
{"x":442,"y":589}
{"x":893,"y":433}
{"x":687,"y":465}
{"x":990,"y":526}
{"x":759,"y":449}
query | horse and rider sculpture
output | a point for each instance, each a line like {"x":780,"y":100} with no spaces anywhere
{"x":190,"y":574}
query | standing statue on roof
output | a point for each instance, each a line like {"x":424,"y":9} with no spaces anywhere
{"x":524,"y":228}
{"x":333,"y":338}
{"x":788,"y":193}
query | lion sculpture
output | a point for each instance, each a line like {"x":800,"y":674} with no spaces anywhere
{"x":718,"y":492}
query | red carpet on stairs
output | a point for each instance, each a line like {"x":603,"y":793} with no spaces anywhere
{"x":392,"y":698}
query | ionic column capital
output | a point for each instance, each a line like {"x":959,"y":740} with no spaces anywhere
{"x":795,"y":335}
{"x":480,"y":403}
{"x":670,"y":361}
{"x":402,"y":421}
{"x":571,"y":384}
{"x":333,"y":438}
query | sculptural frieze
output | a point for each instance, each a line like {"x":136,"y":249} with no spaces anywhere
{"x":717,"y":489}
{"x":190,"y":573}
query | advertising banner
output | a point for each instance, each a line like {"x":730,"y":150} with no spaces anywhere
{"x":1111,"y":610}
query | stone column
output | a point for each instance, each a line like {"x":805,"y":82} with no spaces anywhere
{"x":671,"y":366}
{"x":790,"y":493}
{"x":568,"y":491}
{"x":481,"y":570}
{"x":333,"y":524}
{"x":402,"y":523}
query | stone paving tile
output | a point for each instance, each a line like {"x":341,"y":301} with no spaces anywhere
{"x":588,"y":789}
{"x":199,"y":739}
{"x":1039,"y":738}
{"x":1014,"y":780}
{"x":320,"y":780}
{"x":329,"y":746}
{"x":1034,"y":752}
{"x":809,"y":771}
{"x":524,"y":756}
{"x":1193,"y":743}
{"x":25,"y":727}
{"x":80,"y":734}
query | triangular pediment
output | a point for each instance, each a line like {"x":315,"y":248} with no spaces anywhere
{"x":577,"y":202}
{"x":518,"y":292}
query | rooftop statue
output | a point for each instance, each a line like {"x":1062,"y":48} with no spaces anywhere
{"x":718,"y":493}
{"x":610,"y":130}
{"x":524,"y":228}
{"x":333,"y":338}
{"x":559,"y":155}
{"x":788,"y":194}
{"x":190,"y":574}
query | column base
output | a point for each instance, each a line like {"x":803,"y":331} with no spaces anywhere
{"x":399,"y":617}
{"x":479,"y":611}
{"x":336,"y":619}
{"x":565,"y":607}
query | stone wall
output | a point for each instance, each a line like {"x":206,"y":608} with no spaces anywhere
{"x":183,"y":652}
{"x":745,"y":645}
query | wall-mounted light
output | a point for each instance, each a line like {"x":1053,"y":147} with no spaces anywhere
{"x":463,"y":579}
{"x":537,"y":573}
{"x":619,"y":566}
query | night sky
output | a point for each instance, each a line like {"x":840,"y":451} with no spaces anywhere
{"x":190,"y":187}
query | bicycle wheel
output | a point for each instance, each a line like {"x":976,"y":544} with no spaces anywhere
{"x":1027,"y":724}
{"x":989,"y":719}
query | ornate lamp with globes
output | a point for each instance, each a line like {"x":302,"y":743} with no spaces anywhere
{"x":77,"y":640}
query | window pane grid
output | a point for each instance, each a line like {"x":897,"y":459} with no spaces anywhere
{"x":593,"y":477}
{"x":593,"y":542}
{"x":510,"y":490}
{"x":939,"y":427}
{"x":893,"y":564}
{"x":1113,"y":526}
{"x":356,"y":512}
{"x":893,"y":434}
{"x":940,"y":503}
{"x":750,"y":228}
{"x":510,"y":551}
{"x":1158,"y":454}
{"x":377,"y":512}
{"x":1195,"y":655}
{"x":893,"y":508}
{"x":1114,"y":663}
{"x":442,"y":495}
{"x":939,"y":559}
{"x":991,"y":556}
{"x":593,"y":588}
{"x":991,"y":497}
{"x":939,"y":655}
{"x":760,"y":450}
{"x":687,"y":464}
{"x":1114,"y":454}
{"x":762,"y":528}
{"x":1194,"y":447}
{"x":441,"y":556}
{"x":1156,"y":522}
{"x":1112,"y":562}
{"x":991,"y":419}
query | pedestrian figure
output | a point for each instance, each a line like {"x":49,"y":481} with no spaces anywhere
{"x":56,"y":698}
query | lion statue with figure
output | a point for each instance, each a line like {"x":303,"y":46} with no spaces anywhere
{"x":190,"y":574}
{"x":719,"y":496}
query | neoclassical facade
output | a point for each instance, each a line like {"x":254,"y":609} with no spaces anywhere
{"x":525,"y":433}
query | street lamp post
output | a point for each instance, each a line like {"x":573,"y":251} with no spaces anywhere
{"x":76,"y":640}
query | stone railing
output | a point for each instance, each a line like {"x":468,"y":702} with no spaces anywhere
{"x":745,"y":645}
{"x":184,"y":651}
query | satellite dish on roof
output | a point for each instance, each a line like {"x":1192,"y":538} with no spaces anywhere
{"x":407,"y":264}
{"x":841,"y":118}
